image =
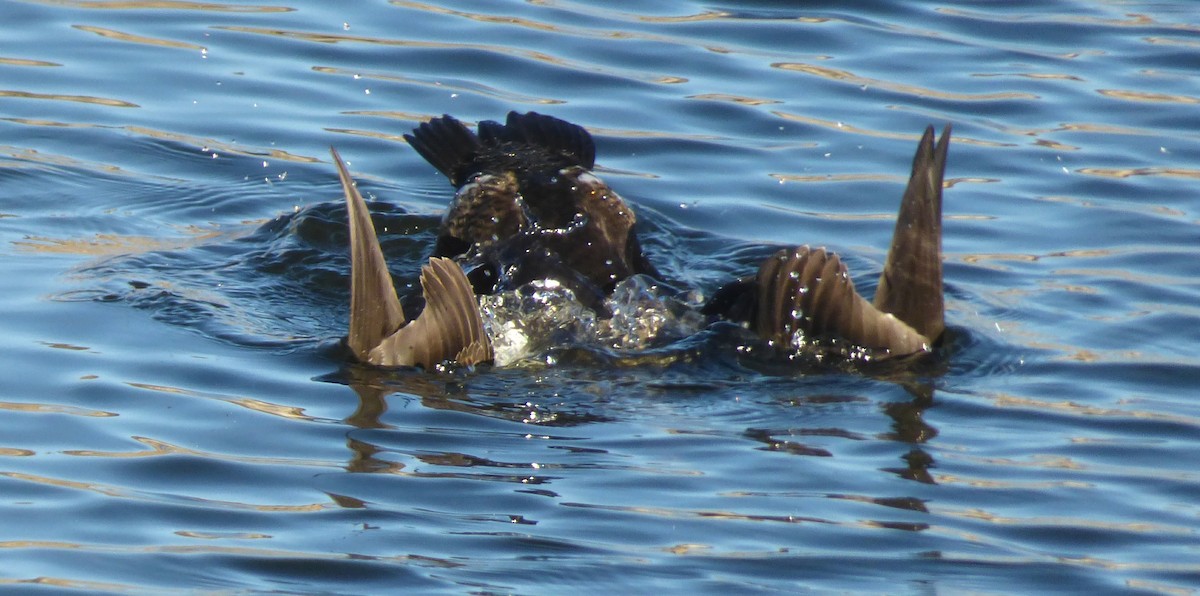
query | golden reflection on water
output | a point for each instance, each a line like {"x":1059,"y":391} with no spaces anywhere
{"x":1131,"y":172}
{"x":25,"y":62}
{"x":1131,"y":20}
{"x":222,"y":535}
{"x":535,"y":55}
{"x":256,"y":405}
{"x":1055,"y":145}
{"x":1067,"y":522}
{"x":1072,"y":408}
{"x":600,"y":10}
{"x":850,"y":128}
{"x":90,"y":99}
{"x":211,"y":147}
{"x":126,"y":493}
{"x":65,"y":346}
{"x":735,"y":99}
{"x":462,"y":86}
{"x":189,"y":549}
{"x":667,"y":513}
{"x":992,"y":483}
{"x":62,"y":582}
{"x":159,"y":448}
{"x":357,"y":132}
{"x":840,"y":178}
{"x":851,"y":78}
{"x":111,"y":244}
{"x":35,"y":408}
{"x":1171,"y":41}
{"x":607,"y":34}
{"x":1146,"y":96}
{"x":1037,"y":76}
{"x":129,"y":37}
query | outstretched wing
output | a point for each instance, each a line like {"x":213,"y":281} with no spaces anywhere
{"x":809,"y":292}
{"x":375,"y":311}
{"x":450,"y":327}
{"x":911,"y":284}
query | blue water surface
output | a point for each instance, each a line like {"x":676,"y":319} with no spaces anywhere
{"x":174,"y":416}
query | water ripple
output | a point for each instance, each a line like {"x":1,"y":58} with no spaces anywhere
{"x":177,"y":279}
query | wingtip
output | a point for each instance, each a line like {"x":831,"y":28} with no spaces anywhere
{"x":375,"y":309}
{"x":910,"y":286}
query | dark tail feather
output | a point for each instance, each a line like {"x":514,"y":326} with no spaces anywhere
{"x":375,"y":311}
{"x":557,"y":135}
{"x":447,"y":145}
{"x":809,"y":291}
{"x":569,"y":141}
{"x":911,"y":284}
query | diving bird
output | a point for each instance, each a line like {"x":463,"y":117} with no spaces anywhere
{"x":527,"y":207}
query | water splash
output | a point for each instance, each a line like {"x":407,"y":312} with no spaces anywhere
{"x":646,"y":313}
{"x":525,"y":323}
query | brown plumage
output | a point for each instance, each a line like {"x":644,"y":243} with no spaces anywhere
{"x":450,"y":326}
{"x":911,"y":284}
{"x":804,"y":296}
{"x":527,"y":207}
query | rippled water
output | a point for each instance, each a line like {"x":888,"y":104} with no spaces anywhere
{"x":174,"y":415}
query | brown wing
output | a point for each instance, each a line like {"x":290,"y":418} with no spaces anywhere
{"x":808,"y":291}
{"x":911,"y":284}
{"x":375,"y":311}
{"x":613,"y":221}
{"x":450,"y":327}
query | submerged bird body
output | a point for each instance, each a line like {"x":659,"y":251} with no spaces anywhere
{"x":528,"y":208}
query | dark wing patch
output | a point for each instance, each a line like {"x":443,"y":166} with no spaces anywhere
{"x":527,"y":141}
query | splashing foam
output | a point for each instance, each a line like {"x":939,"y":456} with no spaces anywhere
{"x":526,"y":322}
